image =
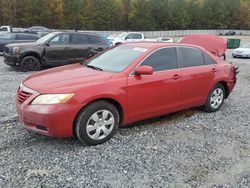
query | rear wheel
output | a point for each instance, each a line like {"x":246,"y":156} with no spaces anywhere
{"x":97,"y":123}
{"x":30,"y":63}
{"x":215,"y":98}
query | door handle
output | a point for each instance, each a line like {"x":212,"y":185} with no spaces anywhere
{"x":213,"y":70}
{"x":176,"y":76}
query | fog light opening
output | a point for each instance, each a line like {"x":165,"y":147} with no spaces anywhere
{"x":43,"y":128}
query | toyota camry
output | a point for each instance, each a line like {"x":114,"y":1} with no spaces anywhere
{"x":128,"y":83}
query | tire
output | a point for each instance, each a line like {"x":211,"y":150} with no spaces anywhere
{"x":90,"y":126}
{"x":30,"y":63}
{"x":215,"y":98}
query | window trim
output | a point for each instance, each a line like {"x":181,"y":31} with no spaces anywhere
{"x":132,"y":73}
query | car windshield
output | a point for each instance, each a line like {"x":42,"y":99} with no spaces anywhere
{"x":45,"y":38}
{"x":121,"y":35}
{"x":246,"y":45}
{"x":117,"y":59}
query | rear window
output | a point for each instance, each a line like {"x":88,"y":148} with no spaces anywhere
{"x":191,"y":57}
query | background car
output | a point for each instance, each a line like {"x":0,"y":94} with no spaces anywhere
{"x":230,"y":33}
{"x":243,"y":51}
{"x":8,"y":38}
{"x":128,"y":83}
{"x":38,"y":30}
{"x":54,"y":49}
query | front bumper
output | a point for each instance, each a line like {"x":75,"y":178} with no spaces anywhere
{"x":241,"y":55}
{"x":12,"y":60}
{"x":50,"y":120}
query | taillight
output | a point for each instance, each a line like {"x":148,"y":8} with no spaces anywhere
{"x":236,"y":72}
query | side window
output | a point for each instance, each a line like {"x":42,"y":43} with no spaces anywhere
{"x":129,"y":36}
{"x":95,"y":39}
{"x":137,"y":36}
{"x":35,"y":37}
{"x":79,"y":39}
{"x":208,"y":60}
{"x":163,"y":59}
{"x":4,"y":29}
{"x":191,"y":57}
{"x":134,"y":36}
{"x":24,"y":37}
{"x":62,"y":39}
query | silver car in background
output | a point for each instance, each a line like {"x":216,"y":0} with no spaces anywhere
{"x":243,"y":51}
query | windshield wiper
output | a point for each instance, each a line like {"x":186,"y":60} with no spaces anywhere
{"x":94,"y":67}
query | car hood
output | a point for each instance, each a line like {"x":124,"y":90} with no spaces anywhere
{"x":65,"y":79}
{"x":242,"y":49}
{"x":30,"y":44}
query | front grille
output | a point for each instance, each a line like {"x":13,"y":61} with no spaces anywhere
{"x":22,"y":96}
{"x":6,"y":50}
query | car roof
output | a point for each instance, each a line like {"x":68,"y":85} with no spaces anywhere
{"x":155,"y":45}
{"x":76,"y":32}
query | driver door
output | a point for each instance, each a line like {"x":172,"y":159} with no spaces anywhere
{"x":57,"y":51}
{"x":157,"y":94}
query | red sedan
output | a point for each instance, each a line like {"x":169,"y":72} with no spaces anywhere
{"x":131,"y":82}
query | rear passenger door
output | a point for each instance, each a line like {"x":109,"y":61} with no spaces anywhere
{"x":198,"y":75}
{"x":97,"y":43}
{"x":80,"y":46}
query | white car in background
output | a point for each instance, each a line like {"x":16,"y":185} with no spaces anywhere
{"x":243,"y":51}
{"x":127,"y":37}
{"x":135,"y":37}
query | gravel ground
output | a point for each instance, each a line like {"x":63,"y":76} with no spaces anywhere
{"x":185,"y":149}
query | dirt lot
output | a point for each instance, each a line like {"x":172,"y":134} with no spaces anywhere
{"x":185,"y":149}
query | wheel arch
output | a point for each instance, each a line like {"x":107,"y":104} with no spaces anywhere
{"x":110,"y":100}
{"x":224,"y":83}
{"x":34,"y":54}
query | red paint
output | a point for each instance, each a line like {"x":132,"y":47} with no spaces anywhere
{"x":214,"y":44}
{"x":140,"y":96}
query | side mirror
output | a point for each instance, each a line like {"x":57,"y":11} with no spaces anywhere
{"x":47,"y":44}
{"x":126,"y":38}
{"x":144,"y":70}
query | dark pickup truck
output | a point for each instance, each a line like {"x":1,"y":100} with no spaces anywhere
{"x":54,"y":49}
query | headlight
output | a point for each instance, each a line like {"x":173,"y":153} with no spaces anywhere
{"x":52,"y":98}
{"x":15,"y":50}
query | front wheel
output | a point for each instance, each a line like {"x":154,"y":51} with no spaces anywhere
{"x":30,"y":63}
{"x":97,"y":123}
{"x":215,"y":98}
